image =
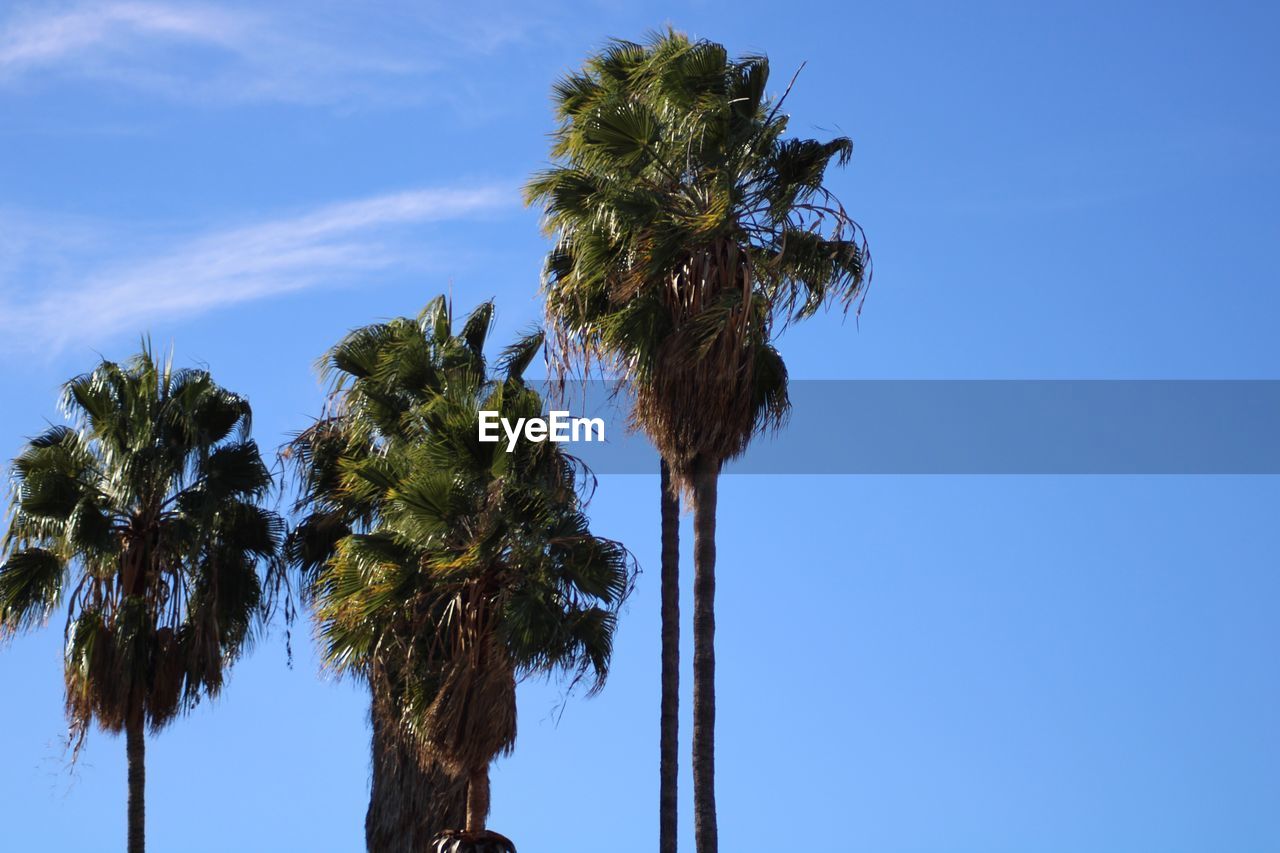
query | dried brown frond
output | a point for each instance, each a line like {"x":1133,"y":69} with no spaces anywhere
{"x":699,"y":406}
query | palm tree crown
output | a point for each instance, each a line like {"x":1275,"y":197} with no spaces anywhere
{"x":450,"y":567}
{"x":687,"y":225}
{"x":146,"y":519}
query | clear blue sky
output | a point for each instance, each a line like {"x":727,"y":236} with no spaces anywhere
{"x":923,"y":664}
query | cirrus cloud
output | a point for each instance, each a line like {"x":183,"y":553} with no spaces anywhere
{"x":81,"y":284}
{"x":203,"y":53}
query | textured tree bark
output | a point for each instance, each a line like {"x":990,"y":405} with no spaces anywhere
{"x":408,"y":805}
{"x":668,"y":801}
{"x":136,"y":752}
{"x":705,"y":483}
{"x":478,"y":800}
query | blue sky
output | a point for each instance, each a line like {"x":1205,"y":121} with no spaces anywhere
{"x":949,"y":664}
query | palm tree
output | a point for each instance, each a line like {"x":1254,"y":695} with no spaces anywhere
{"x":146,"y":520}
{"x":688,"y":232}
{"x":411,"y":800}
{"x":472,"y":566}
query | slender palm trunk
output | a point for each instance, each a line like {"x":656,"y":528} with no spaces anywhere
{"x":408,"y":805}
{"x":705,"y":482}
{"x":478,"y":800}
{"x":136,"y":752}
{"x":668,"y":802}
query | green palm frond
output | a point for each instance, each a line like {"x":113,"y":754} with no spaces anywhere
{"x":31,"y":582}
{"x":476,"y":329}
{"x":517,"y":357}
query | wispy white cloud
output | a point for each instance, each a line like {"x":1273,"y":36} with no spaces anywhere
{"x":203,"y":52}
{"x":330,"y":245}
{"x":33,"y":41}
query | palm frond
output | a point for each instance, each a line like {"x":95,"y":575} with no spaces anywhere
{"x":30,"y":584}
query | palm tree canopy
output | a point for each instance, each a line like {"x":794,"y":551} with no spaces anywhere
{"x":443,"y":562}
{"x":687,"y":225}
{"x":145,"y":519}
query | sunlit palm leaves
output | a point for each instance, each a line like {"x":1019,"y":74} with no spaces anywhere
{"x":443,"y":568}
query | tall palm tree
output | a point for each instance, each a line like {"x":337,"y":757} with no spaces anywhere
{"x":145,"y":519}
{"x":472,"y":567}
{"x":688,"y":231}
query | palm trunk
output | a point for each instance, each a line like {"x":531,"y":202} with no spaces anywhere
{"x":136,"y":752}
{"x":408,"y":806}
{"x":705,"y":482}
{"x":478,"y":800}
{"x":668,"y":802}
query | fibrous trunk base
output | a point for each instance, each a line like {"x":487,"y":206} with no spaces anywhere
{"x":409,"y":804}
